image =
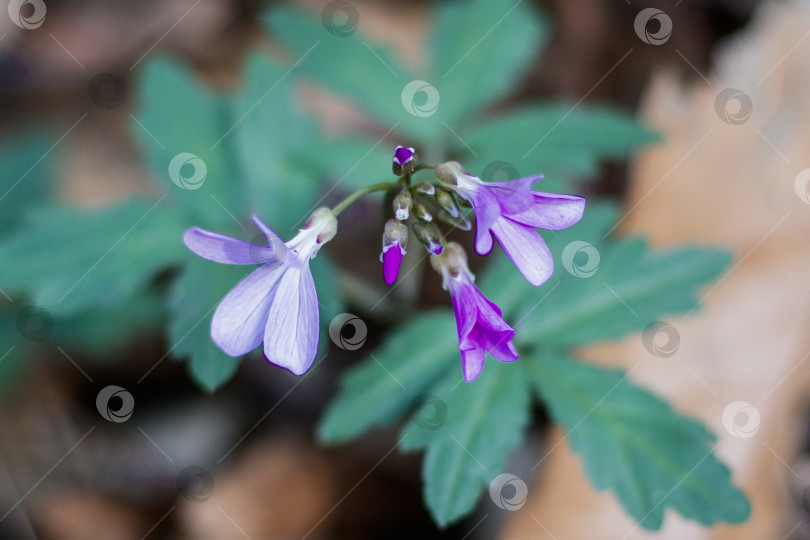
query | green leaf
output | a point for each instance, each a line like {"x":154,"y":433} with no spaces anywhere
{"x":177,"y":115}
{"x":350,"y":164}
{"x":269,"y":141}
{"x":381,"y":388}
{"x":14,"y":349}
{"x":67,"y":260}
{"x":634,"y":444}
{"x":632,"y":288}
{"x":485,"y":421}
{"x":330,"y":301}
{"x":557,"y":140}
{"x":25,"y":169}
{"x":195,"y":295}
{"x":369,"y":75}
{"x":479,"y":49}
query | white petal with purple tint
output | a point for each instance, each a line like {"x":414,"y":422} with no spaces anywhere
{"x":551,"y":211}
{"x":225,"y":249}
{"x":239,"y":321}
{"x":526,"y":248}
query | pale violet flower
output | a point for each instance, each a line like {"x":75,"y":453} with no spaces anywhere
{"x":481,"y":328}
{"x":511,"y":212}
{"x":277,"y":303}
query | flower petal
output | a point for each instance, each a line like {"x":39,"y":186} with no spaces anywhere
{"x":292,"y":331}
{"x":238,"y":323}
{"x":392,"y":259}
{"x":465,"y":308}
{"x":274,"y":241}
{"x":225,"y":249}
{"x":472,"y":363}
{"x":551,"y":211}
{"x":526,"y":248}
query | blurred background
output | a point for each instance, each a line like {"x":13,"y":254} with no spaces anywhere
{"x":243,"y":462}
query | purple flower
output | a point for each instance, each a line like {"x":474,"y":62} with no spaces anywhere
{"x":395,"y":238}
{"x":481,"y":327}
{"x":511,"y":211}
{"x":404,"y":160}
{"x":276,"y":303}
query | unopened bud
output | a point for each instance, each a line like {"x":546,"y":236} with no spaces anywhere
{"x":459,"y":221}
{"x":447,"y":173}
{"x":404,"y":160}
{"x":324,"y":222}
{"x":395,"y":232}
{"x":426,"y":188}
{"x":422,"y":213}
{"x":429,"y":235}
{"x":452,"y":260}
{"x":395,"y":238}
{"x":446,"y":201}
{"x":402,"y":205}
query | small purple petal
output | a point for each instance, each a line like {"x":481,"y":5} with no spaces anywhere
{"x":526,"y":248}
{"x":225,"y":249}
{"x":472,"y":363}
{"x":274,"y":241}
{"x":292,"y":331}
{"x":551,"y":211}
{"x":392,"y":259}
{"x":238,"y":323}
{"x":403,"y":155}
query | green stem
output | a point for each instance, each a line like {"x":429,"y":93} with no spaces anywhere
{"x":382,"y":186}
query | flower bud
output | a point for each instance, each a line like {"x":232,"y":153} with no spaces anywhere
{"x":402,"y":205}
{"x":447,"y":173}
{"x":425,"y":188}
{"x":452,"y":260}
{"x":422,"y":213}
{"x":395,"y":239}
{"x":429,"y":235}
{"x":459,"y":222}
{"x":446,"y":201}
{"x":324,"y":223}
{"x":404,"y":160}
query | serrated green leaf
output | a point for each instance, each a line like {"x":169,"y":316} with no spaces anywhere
{"x":369,"y":75}
{"x":381,"y":388}
{"x":634,"y":444}
{"x":479,"y":50}
{"x":269,"y":141}
{"x":632,"y":288}
{"x":67,"y":260}
{"x":177,"y":114}
{"x":485,"y":421}
{"x":557,"y":140}
{"x":195,"y":295}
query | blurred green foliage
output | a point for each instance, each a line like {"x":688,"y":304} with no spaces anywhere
{"x":97,"y":271}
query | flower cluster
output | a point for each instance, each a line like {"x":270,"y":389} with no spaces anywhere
{"x":277,"y":303}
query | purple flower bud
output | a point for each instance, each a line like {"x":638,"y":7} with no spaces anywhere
{"x":395,"y":239}
{"x":402,"y":205}
{"x":429,"y":235}
{"x":404,"y":160}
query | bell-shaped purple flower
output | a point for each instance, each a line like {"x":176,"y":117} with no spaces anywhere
{"x":481,"y":327}
{"x":395,"y":239}
{"x":404,"y":160}
{"x":511,"y":212}
{"x":277,"y":303}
